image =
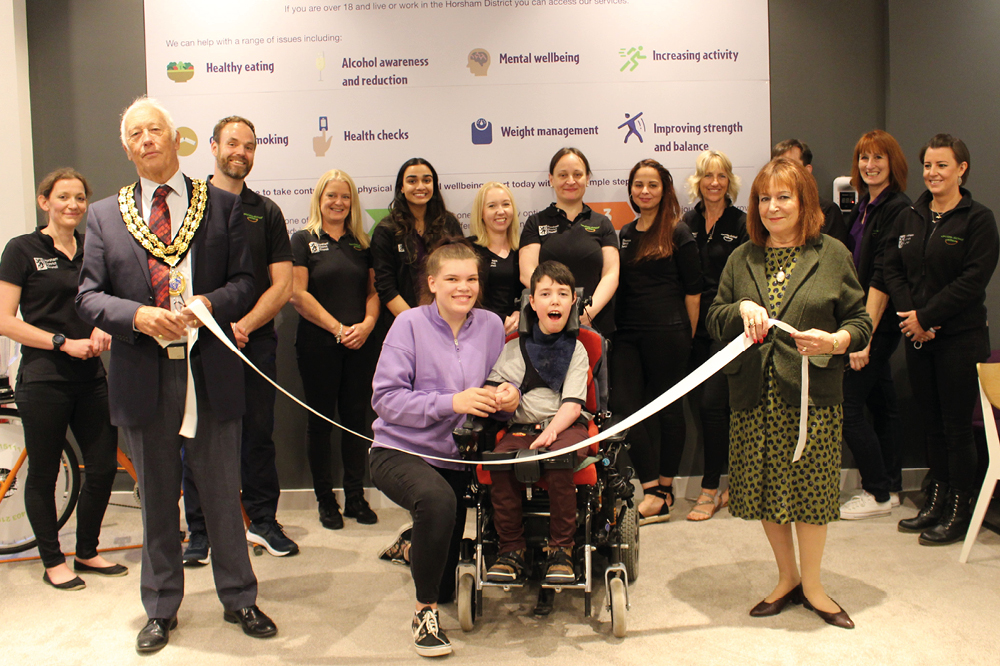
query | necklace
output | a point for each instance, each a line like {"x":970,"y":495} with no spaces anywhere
{"x":780,"y":277}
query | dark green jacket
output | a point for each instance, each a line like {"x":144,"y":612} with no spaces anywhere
{"x":823,"y":292}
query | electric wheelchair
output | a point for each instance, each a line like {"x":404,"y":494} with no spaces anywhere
{"x":607,"y":519}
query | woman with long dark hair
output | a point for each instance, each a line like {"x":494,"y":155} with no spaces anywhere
{"x":656,"y":311}
{"x":937,"y":267}
{"x":417,"y":221}
{"x":878,"y":173}
{"x":61,"y":380}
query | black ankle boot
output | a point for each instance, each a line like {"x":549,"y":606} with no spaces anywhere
{"x":933,"y":509}
{"x":954,"y":523}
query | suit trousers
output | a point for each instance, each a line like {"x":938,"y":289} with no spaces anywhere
{"x":259,"y":472}
{"x":213,"y":456}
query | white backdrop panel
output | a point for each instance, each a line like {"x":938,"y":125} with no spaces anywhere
{"x":484,"y":90}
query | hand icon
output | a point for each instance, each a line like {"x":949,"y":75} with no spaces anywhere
{"x":321,"y":144}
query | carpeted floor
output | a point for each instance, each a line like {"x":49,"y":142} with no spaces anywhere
{"x":334,"y":603}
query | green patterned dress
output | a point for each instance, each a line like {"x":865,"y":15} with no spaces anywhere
{"x":764,"y":482}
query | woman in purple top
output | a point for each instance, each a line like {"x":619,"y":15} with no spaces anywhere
{"x":430,"y":375}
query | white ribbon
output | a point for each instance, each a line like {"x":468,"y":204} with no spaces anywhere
{"x":676,"y":392}
{"x":804,"y":395}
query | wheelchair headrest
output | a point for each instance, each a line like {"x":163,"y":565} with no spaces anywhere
{"x":528,"y":316}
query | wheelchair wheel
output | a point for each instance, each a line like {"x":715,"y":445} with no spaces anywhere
{"x":629,"y":535}
{"x":466,"y":597}
{"x":16,"y":534}
{"x":619,"y":621}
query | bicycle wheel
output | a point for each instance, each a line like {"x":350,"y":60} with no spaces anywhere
{"x":16,"y":534}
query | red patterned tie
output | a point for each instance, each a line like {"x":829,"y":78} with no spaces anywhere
{"x":159,"y":224}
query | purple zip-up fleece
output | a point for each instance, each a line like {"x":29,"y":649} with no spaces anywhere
{"x":421,"y":367}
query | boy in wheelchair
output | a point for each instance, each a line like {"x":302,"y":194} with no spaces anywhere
{"x":550,"y":366}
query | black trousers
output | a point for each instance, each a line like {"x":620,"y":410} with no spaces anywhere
{"x":337,"y":382}
{"x":876,"y":446}
{"x":46,"y":410}
{"x":644,"y":364}
{"x":711,"y":403}
{"x":433,"y":496}
{"x":945,"y":386}
{"x":213,"y":456}
{"x":258,"y":471}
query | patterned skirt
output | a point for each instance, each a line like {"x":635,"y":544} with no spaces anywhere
{"x":764,"y":483}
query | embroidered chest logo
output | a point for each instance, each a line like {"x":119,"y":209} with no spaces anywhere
{"x":904,"y":239}
{"x":546,"y":229}
{"x":253,"y":218}
{"x":626,"y":242}
{"x":46,"y":264}
{"x":729,"y":238}
{"x":315,"y":247}
{"x":493,"y":263}
{"x":952,"y":240}
{"x":356,"y":246}
{"x":401,"y":248}
{"x":591,"y":229}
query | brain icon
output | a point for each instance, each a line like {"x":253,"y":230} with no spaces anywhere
{"x":481,"y":57}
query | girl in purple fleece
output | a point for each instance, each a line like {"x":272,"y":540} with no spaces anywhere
{"x":430,"y":375}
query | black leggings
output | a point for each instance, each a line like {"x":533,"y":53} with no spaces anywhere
{"x":711,"y":400}
{"x":644,"y":364}
{"x":946,"y":387}
{"x":433,"y":496}
{"x":336,"y":379}
{"x":46,"y":410}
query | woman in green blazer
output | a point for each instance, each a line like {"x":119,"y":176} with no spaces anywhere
{"x":790,"y":272}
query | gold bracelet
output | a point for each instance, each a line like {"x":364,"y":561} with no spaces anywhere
{"x":836,"y":343}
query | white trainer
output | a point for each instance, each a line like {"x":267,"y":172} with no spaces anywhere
{"x":894,"y":499}
{"x":864,"y":506}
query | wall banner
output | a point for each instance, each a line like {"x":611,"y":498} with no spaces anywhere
{"x":483,"y":89}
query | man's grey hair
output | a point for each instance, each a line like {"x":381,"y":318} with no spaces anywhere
{"x":145,"y":102}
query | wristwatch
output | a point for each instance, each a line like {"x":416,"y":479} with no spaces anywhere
{"x":57,"y":341}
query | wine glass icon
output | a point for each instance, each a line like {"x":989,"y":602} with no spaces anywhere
{"x":321,"y":63}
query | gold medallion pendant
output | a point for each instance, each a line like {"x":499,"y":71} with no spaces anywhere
{"x":173,"y":253}
{"x":176,"y":283}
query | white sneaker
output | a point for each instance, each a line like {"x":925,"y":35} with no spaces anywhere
{"x":894,"y":499}
{"x":864,"y":506}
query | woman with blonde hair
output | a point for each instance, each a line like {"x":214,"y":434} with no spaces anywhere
{"x":334,"y":292}
{"x":791,"y":272}
{"x":495,"y":235}
{"x":719,"y":227}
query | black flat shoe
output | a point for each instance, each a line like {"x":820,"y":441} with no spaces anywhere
{"x":666,"y":493}
{"x":69,"y":586}
{"x":155,"y":635}
{"x":253,"y":620}
{"x":768,"y":608}
{"x":839,"y":619}
{"x":113,"y":570}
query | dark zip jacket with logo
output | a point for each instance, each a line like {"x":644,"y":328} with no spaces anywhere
{"x":941,"y":269}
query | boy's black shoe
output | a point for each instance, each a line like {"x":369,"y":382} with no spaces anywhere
{"x":509,"y":568}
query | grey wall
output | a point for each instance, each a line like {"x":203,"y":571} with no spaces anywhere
{"x":838,"y":69}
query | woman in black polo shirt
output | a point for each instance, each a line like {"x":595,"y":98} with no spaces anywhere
{"x":416,"y":222}
{"x":61,"y":381}
{"x":656,"y":311}
{"x":334,"y":292}
{"x":936,"y":270}
{"x":495,"y":231}
{"x":719,"y":227}
{"x":570,"y":232}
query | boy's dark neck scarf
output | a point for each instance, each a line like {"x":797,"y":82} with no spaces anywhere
{"x":551,"y":355}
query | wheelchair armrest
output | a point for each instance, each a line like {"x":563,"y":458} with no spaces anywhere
{"x":529,"y":471}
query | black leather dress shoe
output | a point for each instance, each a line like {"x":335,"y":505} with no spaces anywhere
{"x":155,"y":634}
{"x":767,"y":608}
{"x":253,"y":620}
{"x":839,"y":619}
